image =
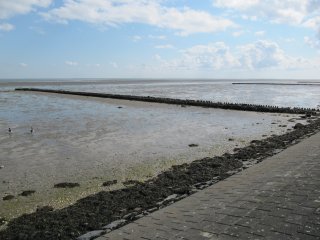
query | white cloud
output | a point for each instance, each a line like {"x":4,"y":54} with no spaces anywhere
{"x":314,"y":43}
{"x":167,"y":46}
{"x":71,"y":63}
{"x":6,"y":27}
{"x":136,"y":38}
{"x":112,"y":13}
{"x":278,"y":11}
{"x":304,"y":13}
{"x":289,"y":40}
{"x":218,"y":56}
{"x":262,"y":54}
{"x":10,"y":8}
{"x":97,"y":65}
{"x":157,"y":57}
{"x":313,"y":23}
{"x":23,"y":65}
{"x":260,"y":33}
{"x":158,"y":37}
{"x":238,"y":33}
{"x":114,"y":64}
{"x":212,"y":56}
{"x":238,"y":4}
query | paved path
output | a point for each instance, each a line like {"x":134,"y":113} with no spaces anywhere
{"x":276,"y":199}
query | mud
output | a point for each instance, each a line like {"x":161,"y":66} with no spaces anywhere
{"x":98,"y":211}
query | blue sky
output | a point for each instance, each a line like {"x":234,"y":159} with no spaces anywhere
{"x":160,"y":39}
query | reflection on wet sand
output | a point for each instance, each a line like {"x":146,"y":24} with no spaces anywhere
{"x":90,"y":141}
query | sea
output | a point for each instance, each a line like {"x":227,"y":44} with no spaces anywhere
{"x":91,"y":140}
{"x":284,"y":93}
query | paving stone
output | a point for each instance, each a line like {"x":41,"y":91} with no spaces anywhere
{"x":278,"y":198}
{"x":310,"y":229}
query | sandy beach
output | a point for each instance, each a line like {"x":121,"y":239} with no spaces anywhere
{"x":90,"y":141}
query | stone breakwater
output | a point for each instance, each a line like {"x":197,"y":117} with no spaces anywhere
{"x":108,"y":210}
{"x":185,"y":102}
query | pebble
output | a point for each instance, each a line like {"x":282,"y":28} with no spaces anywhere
{"x":91,"y":235}
{"x":115,"y":224}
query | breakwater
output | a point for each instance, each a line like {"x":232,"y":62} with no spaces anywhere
{"x":184,"y":102}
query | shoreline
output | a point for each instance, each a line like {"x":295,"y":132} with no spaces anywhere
{"x":140,"y":198}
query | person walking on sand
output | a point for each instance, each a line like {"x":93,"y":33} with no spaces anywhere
{"x":31,"y":130}
{"x":9,"y":130}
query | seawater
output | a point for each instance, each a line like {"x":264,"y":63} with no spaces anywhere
{"x":92,"y":140}
{"x":213,"y":90}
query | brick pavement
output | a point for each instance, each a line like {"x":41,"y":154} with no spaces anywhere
{"x":278,"y":198}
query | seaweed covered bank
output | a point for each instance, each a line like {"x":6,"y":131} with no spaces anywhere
{"x":108,"y":210}
{"x":184,"y":102}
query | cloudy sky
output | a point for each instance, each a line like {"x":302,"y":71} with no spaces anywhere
{"x":160,"y":38}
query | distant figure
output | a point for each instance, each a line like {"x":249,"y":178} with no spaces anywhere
{"x":9,"y":130}
{"x":31,"y":130}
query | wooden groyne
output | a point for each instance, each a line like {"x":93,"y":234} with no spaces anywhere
{"x":184,"y":102}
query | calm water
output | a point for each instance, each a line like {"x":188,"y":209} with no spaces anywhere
{"x":224,"y":91}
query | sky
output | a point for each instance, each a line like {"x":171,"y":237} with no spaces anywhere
{"x":237,"y":39}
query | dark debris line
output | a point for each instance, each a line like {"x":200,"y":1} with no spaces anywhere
{"x":185,"y":102}
{"x":96,"y":211}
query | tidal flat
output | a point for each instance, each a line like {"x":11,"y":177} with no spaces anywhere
{"x":90,"y":141}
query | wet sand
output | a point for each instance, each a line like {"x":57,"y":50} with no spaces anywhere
{"x":91,"y":140}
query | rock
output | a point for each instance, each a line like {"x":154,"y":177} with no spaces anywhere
{"x":131,"y":182}
{"x":139,"y":216}
{"x":119,"y":107}
{"x":91,"y":235}
{"x":152,"y":209}
{"x":66,"y":185}
{"x":298,"y":126}
{"x":170,"y":198}
{"x":137,"y":209}
{"x":109,"y":183}
{"x":193,"y":145}
{"x":8,"y":197}
{"x":130,"y":216}
{"x":45,"y":209}
{"x":1,"y":166}
{"x":181,"y":190}
{"x":115,"y":224}
{"x":123,"y":211}
{"x":230,"y":139}
{"x":2,"y":221}
{"x":232,"y":172}
{"x":27,"y":193}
